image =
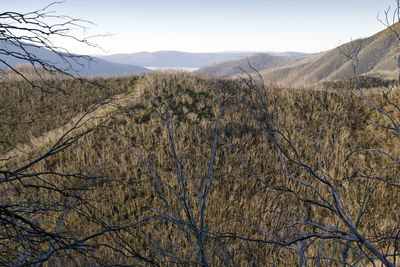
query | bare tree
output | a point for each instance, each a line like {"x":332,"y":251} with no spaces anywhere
{"x":24,"y":34}
{"x":182,"y":192}
{"x":308,"y":210}
{"x":320,"y":215}
{"x":318,"y":192}
{"x":36,"y":202}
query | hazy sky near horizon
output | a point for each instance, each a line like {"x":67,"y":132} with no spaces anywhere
{"x":217,"y":25}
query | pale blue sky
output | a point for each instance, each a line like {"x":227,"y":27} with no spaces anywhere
{"x":218,"y":25}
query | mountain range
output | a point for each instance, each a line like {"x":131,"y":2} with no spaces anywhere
{"x":376,"y":56}
{"x":14,"y":54}
{"x":255,"y":62}
{"x":118,"y":64}
{"x":177,"y":59}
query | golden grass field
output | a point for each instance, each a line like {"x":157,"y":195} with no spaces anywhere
{"x":128,"y":170}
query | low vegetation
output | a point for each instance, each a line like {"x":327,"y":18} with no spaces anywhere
{"x":28,"y":112}
{"x":365,"y":82}
{"x":189,"y":171}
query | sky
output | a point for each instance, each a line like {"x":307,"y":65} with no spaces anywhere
{"x":129,"y":26}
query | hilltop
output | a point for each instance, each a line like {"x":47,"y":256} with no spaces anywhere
{"x":148,"y":149}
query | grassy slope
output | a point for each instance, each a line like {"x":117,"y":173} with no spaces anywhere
{"x":236,"y":201}
{"x":375,"y":58}
{"x":238,"y":66}
{"x":28,"y":112}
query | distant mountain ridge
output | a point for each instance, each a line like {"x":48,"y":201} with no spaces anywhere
{"x":377,"y":57}
{"x":256,"y":62}
{"x":177,"y":59}
{"x":79,"y":65}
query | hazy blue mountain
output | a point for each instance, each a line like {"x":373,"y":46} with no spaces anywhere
{"x":79,"y":65}
{"x":173,"y":58}
{"x":178,"y":59}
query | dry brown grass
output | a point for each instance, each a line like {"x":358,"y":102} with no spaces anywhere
{"x":237,"y":203}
